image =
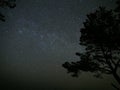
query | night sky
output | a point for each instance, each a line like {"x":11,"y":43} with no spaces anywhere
{"x":38,"y":37}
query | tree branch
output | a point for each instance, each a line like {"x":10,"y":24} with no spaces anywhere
{"x":115,"y":86}
{"x":117,"y":65}
{"x":106,"y":58}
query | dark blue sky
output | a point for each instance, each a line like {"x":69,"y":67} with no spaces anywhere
{"x":39,"y":36}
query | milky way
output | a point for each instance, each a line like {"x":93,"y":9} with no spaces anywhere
{"x":39,"y":36}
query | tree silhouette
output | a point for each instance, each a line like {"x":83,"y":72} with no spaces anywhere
{"x":101,"y":39}
{"x":4,"y":4}
{"x":118,"y":8}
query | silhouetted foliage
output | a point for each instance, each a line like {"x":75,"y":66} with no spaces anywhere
{"x":101,"y":38}
{"x":118,"y":8}
{"x":4,"y":4}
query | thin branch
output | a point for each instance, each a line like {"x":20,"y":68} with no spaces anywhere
{"x":111,"y":57}
{"x":115,"y":86}
{"x":117,"y":65}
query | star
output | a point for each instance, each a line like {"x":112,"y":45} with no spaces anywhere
{"x":20,"y":31}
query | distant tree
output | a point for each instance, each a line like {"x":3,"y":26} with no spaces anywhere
{"x":101,"y":39}
{"x":4,"y":4}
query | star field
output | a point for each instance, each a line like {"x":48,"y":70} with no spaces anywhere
{"x":38,"y":36}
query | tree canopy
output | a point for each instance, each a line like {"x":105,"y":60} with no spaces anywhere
{"x":101,"y":38}
{"x":4,"y":4}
